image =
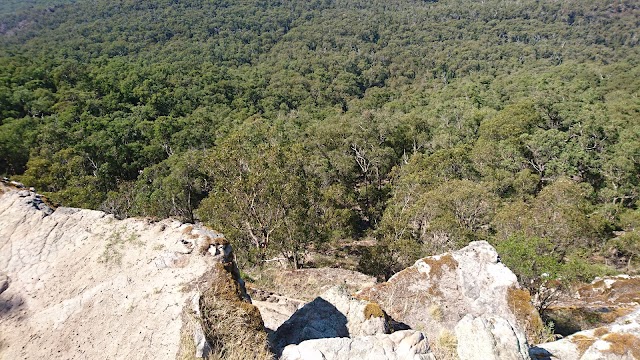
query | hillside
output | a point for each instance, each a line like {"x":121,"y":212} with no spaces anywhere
{"x":297,"y":126}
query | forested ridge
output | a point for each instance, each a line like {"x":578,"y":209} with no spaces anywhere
{"x":294,"y":125}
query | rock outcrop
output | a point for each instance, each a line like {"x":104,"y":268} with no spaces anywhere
{"x":337,"y":326}
{"x":617,"y":341}
{"x":597,"y":304}
{"x":275,"y":309}
{"x":490,"y":338}
{"x":79,"y":284}
{"x":436,"y":292}
{"x":297,"y":287}
{"x":401,"y":345}
{"x":335,"y":314}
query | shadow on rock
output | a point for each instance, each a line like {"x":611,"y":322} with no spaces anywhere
{"x":318,"y":319}
{"x":537,"y":353}
{"x":10,"y":304}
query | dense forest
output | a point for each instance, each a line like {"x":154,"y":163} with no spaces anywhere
{"x":296,"y":126}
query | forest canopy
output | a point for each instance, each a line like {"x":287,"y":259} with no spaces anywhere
{"x":293,"y":125}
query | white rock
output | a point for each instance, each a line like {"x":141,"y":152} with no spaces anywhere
{"x":335,"y":314}
{"x":85,"y":285}
{"x":438,"y":291}
{"x":490,"y":338}
{"x":401,"y":345}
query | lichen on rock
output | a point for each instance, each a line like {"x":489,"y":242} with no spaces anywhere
{"x":471,"y":280}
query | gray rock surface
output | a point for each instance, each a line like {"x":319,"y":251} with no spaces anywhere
{"x":438,"y":291}
{"x":335,"y":314}
{"x":4,"y":282}
{"x":87,"y":286}
{"x":617,"y":341}
{"x":490,"y":338}
{"x":401,"y":345}
{"x":275,"y":309}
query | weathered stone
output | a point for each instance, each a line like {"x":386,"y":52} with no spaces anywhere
{"x":4,"y":282}
{"x":597,"y":304}
{"x":335,"y":314}
{"x":617,"y":341}
{"x":438,"y":291}
{"x":401,"y":345}
{"x":85,"y":285}
{"x":490,"y":338}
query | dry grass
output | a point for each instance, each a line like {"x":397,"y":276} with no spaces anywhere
{"x":233,"y":327}
{"x":235,"y":332}
{"x":622,"y":344}
{"x":187,"y":230}
{"x":519,"y":302}
{"x":582,"y":342}
{"x":306,"y":284}
{"x":445,"y":346}
{"x":600,"y":331}
{"x":435,"y":311}
{"x":186,"y":349}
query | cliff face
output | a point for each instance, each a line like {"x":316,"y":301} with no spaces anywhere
{"x":81,"y":284}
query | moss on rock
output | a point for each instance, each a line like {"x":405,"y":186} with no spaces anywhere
{"x":527,"y":316}
{"x":373,"y":309}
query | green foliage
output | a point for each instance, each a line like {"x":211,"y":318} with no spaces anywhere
{"x":561,"y":212}
{"x":544,"y":268}
{"x":263,"y":197}
{"x":424,"y":124}
{"x":173,"y":187}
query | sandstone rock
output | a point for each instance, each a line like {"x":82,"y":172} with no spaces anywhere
{"x":401,"y":345}
{"x":438,"y":291}
{"x":617,"y":341}
{"x":87,"y":286}
{"x":597,"y":304}
{"x":490,"y":338}
{"x":335,"y":314}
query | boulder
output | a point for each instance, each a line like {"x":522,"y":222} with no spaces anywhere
{"x":401,"y":345}
{"x":335,"y":314}
{"x":436,"y":292}
{"x":490,"y":338}
{"x":85,"y":285}
{"x":617,"y":341}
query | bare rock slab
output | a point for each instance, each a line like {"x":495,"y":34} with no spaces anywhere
{"x":597,"y":304}
{"x":87,"y":286}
